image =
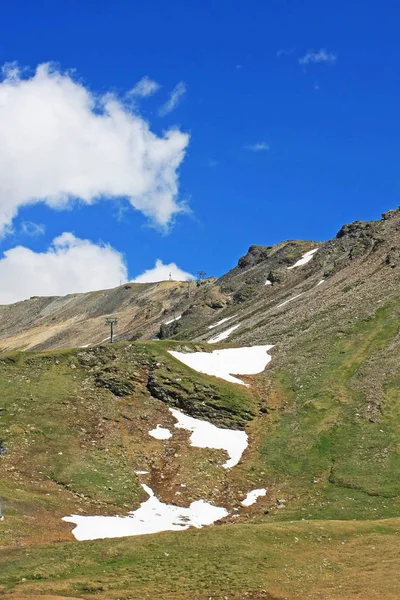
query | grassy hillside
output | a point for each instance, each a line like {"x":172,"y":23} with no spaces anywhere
{"x":323,"y":422}
{"x":331,"y":438}
{"x":75,"y":428}
{"x":305,"y":559}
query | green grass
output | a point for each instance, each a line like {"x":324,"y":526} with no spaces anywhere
{"x":49,"y":410}
{"x":324,"y":442}
{"x":296,"y":560}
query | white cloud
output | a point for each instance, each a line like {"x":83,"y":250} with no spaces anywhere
{"x":162,"y":272}
{"x":258,"y":147}
{"x":174,"y":98}
{"x":32,"y":229}
{"x":145,"y":87}
{"x":69,"y":265}
{"x":321,"y":56}
{"x":58,"y":141}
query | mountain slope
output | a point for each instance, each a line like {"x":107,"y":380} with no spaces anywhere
{"x":360,"y":269}
{"x":323,"y":423}
{"x":79,"y":319}
{"x":345,"y":279}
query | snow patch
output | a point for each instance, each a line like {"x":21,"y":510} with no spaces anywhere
{"x":304,"y":259}
{"x":222,"y":363}
{"x":172,"y":320}
{"x":268,"y":282}
{"x":160,"y":433}
{"x":319,"y":282}
{"x":252,"y":496}
{"x":141,"y":472}
{"x":223,"y":335}
{"x":221,"y":321}
{"x":152,"y":516}
{"x":207,"y":435}
{"x":290,"y":299}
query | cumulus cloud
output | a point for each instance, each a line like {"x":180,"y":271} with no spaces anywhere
{"x":320,"y":56}
{"x":58,"y":142}
{"x":69,"y":265}
{"x":162,"y":272}
{"x":174,"y":98}
{"x":145,"y":87}
{"x":32,"y":229}
{"x":258,"y":147}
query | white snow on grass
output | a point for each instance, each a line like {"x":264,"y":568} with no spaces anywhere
{"x":141,"y":472}
{"x":223,"y":335}
{"x":160,"y":433}
{"x":207,"y":435}
{"x":222,"y":363}
{"x":252,"y":496}
{"x":152,"y":516}
{"x":221,"y":321}
{"x":290,"y":299}
{"x":172,"y":320}
{"x":268,"y":282}
{"x":304,"y":259}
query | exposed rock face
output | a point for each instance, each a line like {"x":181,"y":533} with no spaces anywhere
{"x":116,"y":381}
{"x":254,"y":256}
{"x":202,"y":401}
{"x":390,"y":214}
{"x":259,"y":259}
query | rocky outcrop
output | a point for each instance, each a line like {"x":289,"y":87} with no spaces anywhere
{"x":203,"y":401}
{"x":115,"y":380}
{"x":3,"y":448}
{"x":254,"y":256}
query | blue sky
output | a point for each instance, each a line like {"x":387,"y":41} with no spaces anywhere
{"x":291,"y":108}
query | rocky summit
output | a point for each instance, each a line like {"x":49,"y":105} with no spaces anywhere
{"x":310,"y":505}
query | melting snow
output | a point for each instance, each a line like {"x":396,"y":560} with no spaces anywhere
{"x":268,"y":282}
{"x":221,"y":321}
{"x":160,"y":433}
{"x":207,"y":435}
{"x":304,"y":259}
{"x":223,"y":335}
{"x":290,"y":299}
{"x":221,"y":363}
{"x":252,"y":496}
{"x":172,"y":320}
{"x":151,"y":517}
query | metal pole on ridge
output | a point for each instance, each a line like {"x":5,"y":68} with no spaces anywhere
{"x":111,"y":322}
